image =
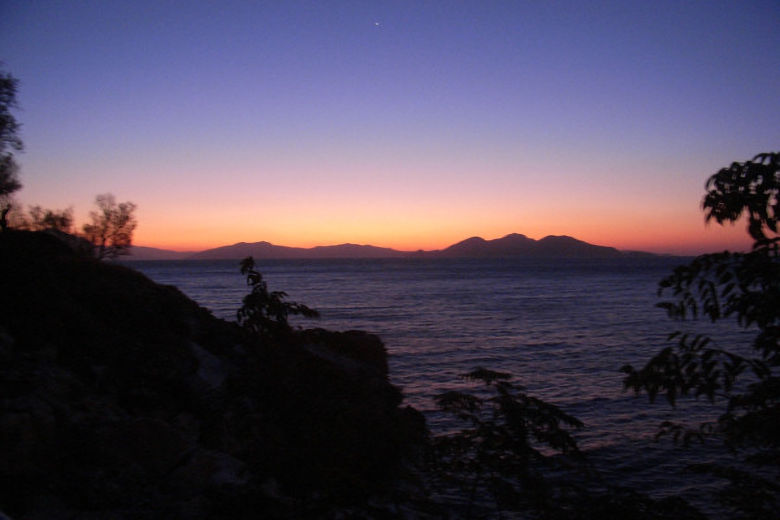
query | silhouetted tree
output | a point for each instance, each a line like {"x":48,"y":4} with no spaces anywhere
{"x":266,"y":313}
{"x":111,"y":227}
{"x":740,"y":286}
{"x":9,"y":142}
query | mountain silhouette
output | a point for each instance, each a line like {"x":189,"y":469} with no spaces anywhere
{"x":268,"y":251}
{"x":513,"y":245}
{"x":477,"y":247}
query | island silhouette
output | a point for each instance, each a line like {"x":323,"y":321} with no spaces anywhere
{"x":514,"y":245}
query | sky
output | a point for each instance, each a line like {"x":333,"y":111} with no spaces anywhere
{"x":404,"y":124}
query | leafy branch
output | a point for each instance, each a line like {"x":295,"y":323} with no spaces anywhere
{"x":744,"y":287}
{"x":266,"y":313}
{"x":507,"y":438}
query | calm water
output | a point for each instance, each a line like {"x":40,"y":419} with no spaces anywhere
{"x":563,"y":328}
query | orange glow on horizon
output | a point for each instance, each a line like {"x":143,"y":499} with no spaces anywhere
{"x":689,"y":239}
{"x":431,"y":221}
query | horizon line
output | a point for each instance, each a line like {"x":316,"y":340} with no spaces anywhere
{"x":668,"y":250}
{"x":371,"y":245}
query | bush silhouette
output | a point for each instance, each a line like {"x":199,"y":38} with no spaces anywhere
{"x":42,"y":219}
{"x":507,"y":439}
{"x":266,"y":313}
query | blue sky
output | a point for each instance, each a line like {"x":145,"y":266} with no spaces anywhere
{"x":405,"y":124}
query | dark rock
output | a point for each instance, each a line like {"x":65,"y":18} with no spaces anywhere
{"x":121,"y":398}
{"x":353,"y":350}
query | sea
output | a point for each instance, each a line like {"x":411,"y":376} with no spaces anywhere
{"x":563,"y":328}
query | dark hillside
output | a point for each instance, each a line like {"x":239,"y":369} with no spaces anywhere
{"x":121,"y":398}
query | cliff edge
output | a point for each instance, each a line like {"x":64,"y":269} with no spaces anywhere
{"x":122,"y":398}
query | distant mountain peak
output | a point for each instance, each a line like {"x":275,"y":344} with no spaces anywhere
{"x":560,"y":238}
{"x":517,"y":245}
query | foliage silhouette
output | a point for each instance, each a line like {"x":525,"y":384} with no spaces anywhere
{"x":266,"y":313}
{"x":740,"y":286}
{"x":9,"y":142}
{"x":501,"y":451}
{"x":517,"y":453}
{"x":42,"y":219}
{"x":111,"y":227}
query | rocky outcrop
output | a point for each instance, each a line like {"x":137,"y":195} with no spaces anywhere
{"x":121,"y":398}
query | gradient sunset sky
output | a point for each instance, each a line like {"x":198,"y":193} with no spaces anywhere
{"x":410,"y":125}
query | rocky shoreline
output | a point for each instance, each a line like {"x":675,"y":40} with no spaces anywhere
{"x":121,"y":398}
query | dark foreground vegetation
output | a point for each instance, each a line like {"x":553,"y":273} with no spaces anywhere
{"x":742,"y":384}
